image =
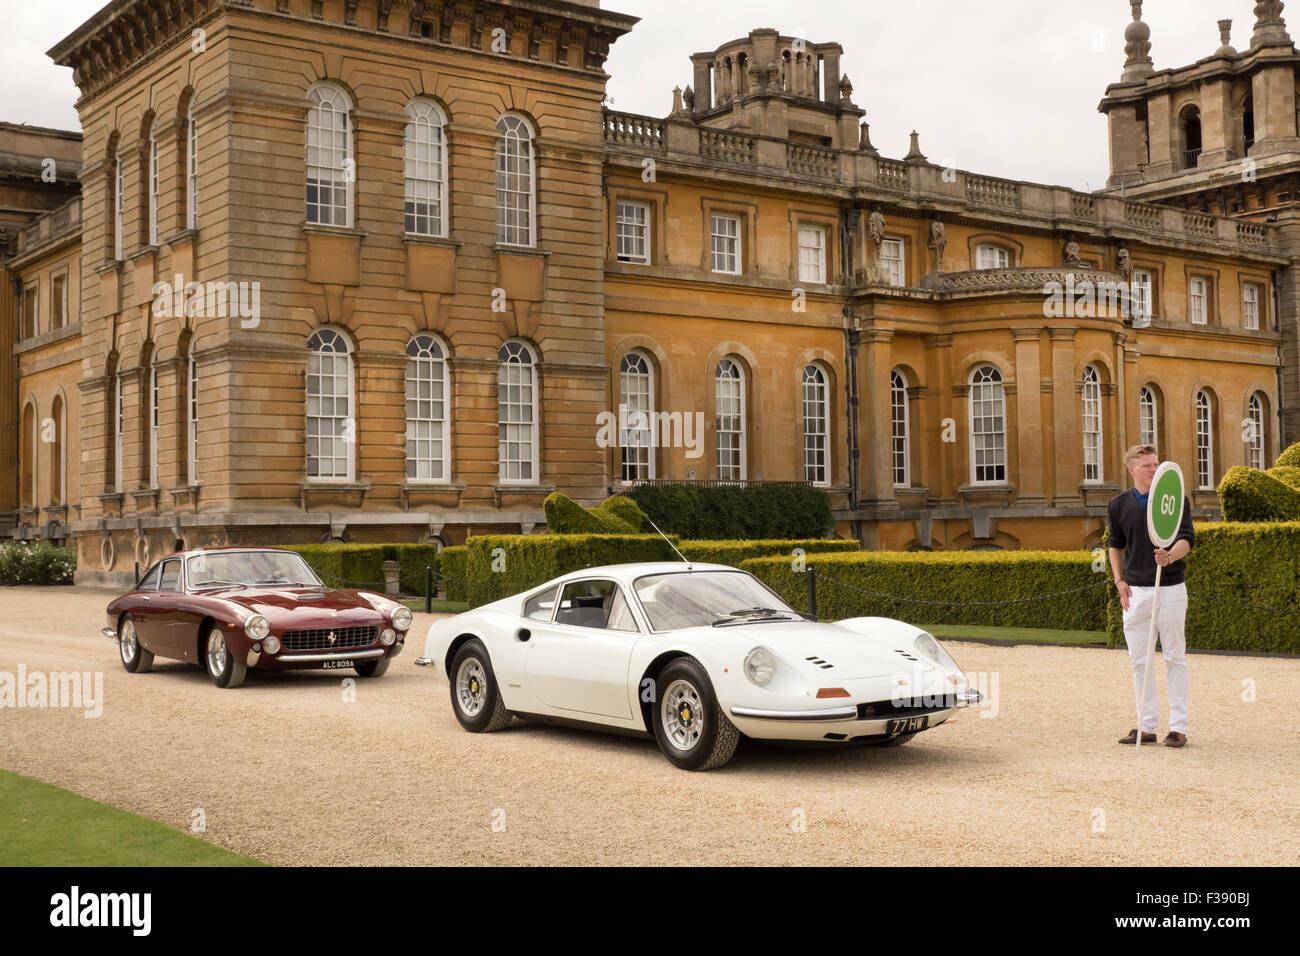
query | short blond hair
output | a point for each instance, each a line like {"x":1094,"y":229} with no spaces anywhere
{"x":1136,"y":452}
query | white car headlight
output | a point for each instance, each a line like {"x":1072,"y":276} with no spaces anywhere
{"x":929,"y":647}
{"x":402,"y":618}
{"x":760,"y":665}
{"x":257,"y":627}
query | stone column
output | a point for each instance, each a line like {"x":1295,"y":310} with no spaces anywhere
{"x":703,"y":89}
{"x":1068,"y":451}
{"x":877,"y":473}
{"x":1132,"y":422}
{"x":1163,"y":138}
{"x":1218,"y":137}
{"x":920,"y":409}
{"x":1273,"y":93}
{"x":943,"y":479}
{"x":1029,"y":418}
{"x":1118,"y":430}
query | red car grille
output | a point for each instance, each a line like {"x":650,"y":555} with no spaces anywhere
{"x":318,"y":638}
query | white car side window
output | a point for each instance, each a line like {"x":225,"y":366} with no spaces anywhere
{"x":620,"y":615}
{"x":538,"y":607}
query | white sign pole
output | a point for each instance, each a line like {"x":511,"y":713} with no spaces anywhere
{"x":1151,"y":651}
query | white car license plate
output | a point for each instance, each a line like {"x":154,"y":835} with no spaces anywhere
{"x":907,"y":725}
{"x":337,"y":664}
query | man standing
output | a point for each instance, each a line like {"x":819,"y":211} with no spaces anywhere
{"x":1133,"y":559}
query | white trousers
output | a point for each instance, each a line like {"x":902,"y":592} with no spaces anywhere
{"x":1170,"y":619}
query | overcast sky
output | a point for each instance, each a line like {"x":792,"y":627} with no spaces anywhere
{"x":1001,"y":87}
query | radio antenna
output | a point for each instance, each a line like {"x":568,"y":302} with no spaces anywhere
{"x":670,"y":542}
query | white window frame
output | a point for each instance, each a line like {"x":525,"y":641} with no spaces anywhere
{"x":1255,"y":446}
{"x":326,"y":425}
{"x":330,"y":160}
{"x":900,"y":428}
{"x":1250,"y":296}
{"x":153,"y":425}
{"x":513,"y":427}
{"x":1140,"y":294}
{"x":59,"y":303}
{"x":1093,"y":444}
{"x":1198,"y":300}
{"x":995,"y":387}
{"x":730,"y":370}
{"x":1204,"y":441}
{"x":119,"y":428}
{"x":192,"y":417}
{"x":153,"y":186}
{"x":424,"y":156}
{"x":812,"y":255}
{"x":636,"y":393}
{"x":119,"y":191}
{"x":893,"y":267}
{"x":1148,"y":417}
{"x":632,"y":232}
{"x":990,"y":256}
{"x":426,"y":364}
{"x":192,"y":171}
{"x":816,"y":393}
{"x":725,"y":244}
{"x":516,"y":182}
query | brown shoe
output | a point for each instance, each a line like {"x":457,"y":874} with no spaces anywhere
{"x":1132,"y":738}
{"x":1175,"y":739}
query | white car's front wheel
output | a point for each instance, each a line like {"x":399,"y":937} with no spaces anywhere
{"x":474,"y":695}
{"x":692,"y":730}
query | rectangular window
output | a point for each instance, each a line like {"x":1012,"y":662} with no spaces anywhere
{"x":31,"y":309}
{"x":991,"y":257}
{"x":1196,"y":301}
{"x":1141,"y":294}
{"x":633,"y":232}
{"x":891,"y":262}
{"x":192,"y":176}
{"x":119,"y":188}
{"x":1250,"y":305}
{"x":726,"y":244}
{"x":812,"y":254}
{"x":153,"y":192}
{"x":58,"y":302}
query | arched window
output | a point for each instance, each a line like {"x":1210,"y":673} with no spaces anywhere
{"x":515,"y":182}
{"x":57,"y":427}
{"x":899,"y":429}
{"x":119,"y":429}
{"x":729,"y":420}
{"x":331,"y":169}
{"x":330,"y":429}
{"x":153,"y":426}
{"x":816,"y":426}
{"x":119,"y":197}
{"x":988,"y":427}
{"x":27,"y":479}
{"x":1204,"y":441}
{"x":636,"y":407}
{"x":1148,"y":422}
{"x":1255,"y":443}
{"x":192,"y":416}
{"x":516,"y":413}
{"x":427,"y":400}
{"x":191,"y":169}
{"x":1190,"y":131}
{"x":153,"y":185}
{"x":425,"y":161}
{"x":1092,"y":444}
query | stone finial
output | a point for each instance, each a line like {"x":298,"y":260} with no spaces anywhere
{"x":1270,"y":28}
{"x":846,"y":90}
{"x":914,"y":155}
{"x":1137,"y":47}
{"x":688,"y":98}
{"x":678,"y":108}
{"x":1225,"y":34}
{"x":864,"y":139}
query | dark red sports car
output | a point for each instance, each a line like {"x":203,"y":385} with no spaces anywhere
{"x":230,"y":609}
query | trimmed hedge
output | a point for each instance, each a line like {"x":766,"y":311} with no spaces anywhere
{"x":965,"y":576}
{"x":1290,"y":457}
{"x":1249,"y":563}
{"x":760,"y":512}
{"x":615,"y":515}
{"x":36,"y":563}
{"x":527,"y":560}
{"x":361,"y":566}
{"x":1251,"y":495}
{"x":734,"y":552}
{"x":453,"y":570}
{"x":1287,"y":474}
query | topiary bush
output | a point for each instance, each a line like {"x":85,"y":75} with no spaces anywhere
{"x":1248,"y":494}
{"x":759,"y":512}
{"x":614,"y":515}
{"x":1287,"y":474}
{"x":452,"y":567}
{"x":1290,"y":457}
{"x":39,"y":562}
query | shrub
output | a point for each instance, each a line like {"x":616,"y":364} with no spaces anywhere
{"x":1246,"y":563}
{"x":452,"y":561}
{"x":614,"y":515}
{"x":1290,"y":457}
{"x":760,"y":512}
{"x":965,"y":578}
{"x":1287,"y":474}
{"x":361,"y":566}
{"x":1251,"y":495}
{"x":734,"y":552}
{"x":38,"y":562}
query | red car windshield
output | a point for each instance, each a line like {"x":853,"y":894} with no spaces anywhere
{"x":249,"y":568}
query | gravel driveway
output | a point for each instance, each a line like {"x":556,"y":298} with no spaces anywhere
{"x":287,"y":771}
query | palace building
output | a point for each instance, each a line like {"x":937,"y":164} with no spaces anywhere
{"x":378,"y":270}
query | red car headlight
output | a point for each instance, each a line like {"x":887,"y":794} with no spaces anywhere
{"x":257,"y":627}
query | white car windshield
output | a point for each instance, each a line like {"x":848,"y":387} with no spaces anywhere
{"x":701,"y":598}
{"x":249,"y":568}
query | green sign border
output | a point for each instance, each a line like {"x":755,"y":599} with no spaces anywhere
{"x":1167,"y":483}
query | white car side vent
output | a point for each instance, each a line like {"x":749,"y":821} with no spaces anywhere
{"x":905,"y":654}
{"x":819,"y":662}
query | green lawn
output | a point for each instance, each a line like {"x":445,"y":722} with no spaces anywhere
{"x":1028,"y":635}
{"x":440,"y":605}
{"x":41,"y":825}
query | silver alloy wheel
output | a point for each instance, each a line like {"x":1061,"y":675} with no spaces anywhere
{"x":216,"y":652}
{"x":683,"y":715}
{"x":128,"y":641}
{"x":471,"y":686}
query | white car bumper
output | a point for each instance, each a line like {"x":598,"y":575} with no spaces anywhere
{"x":841,"y":722}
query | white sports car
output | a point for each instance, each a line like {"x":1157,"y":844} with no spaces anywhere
{"x":696,"y":654}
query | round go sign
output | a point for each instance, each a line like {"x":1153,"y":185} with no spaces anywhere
{"x":1165,"y":505}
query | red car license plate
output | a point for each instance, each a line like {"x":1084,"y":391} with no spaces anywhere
{"x":907,"y":725}
{"x":338,"y":664}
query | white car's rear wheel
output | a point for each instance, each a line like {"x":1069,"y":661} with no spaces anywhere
{"x":691,"y":728}
{"x":474,"y":696}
